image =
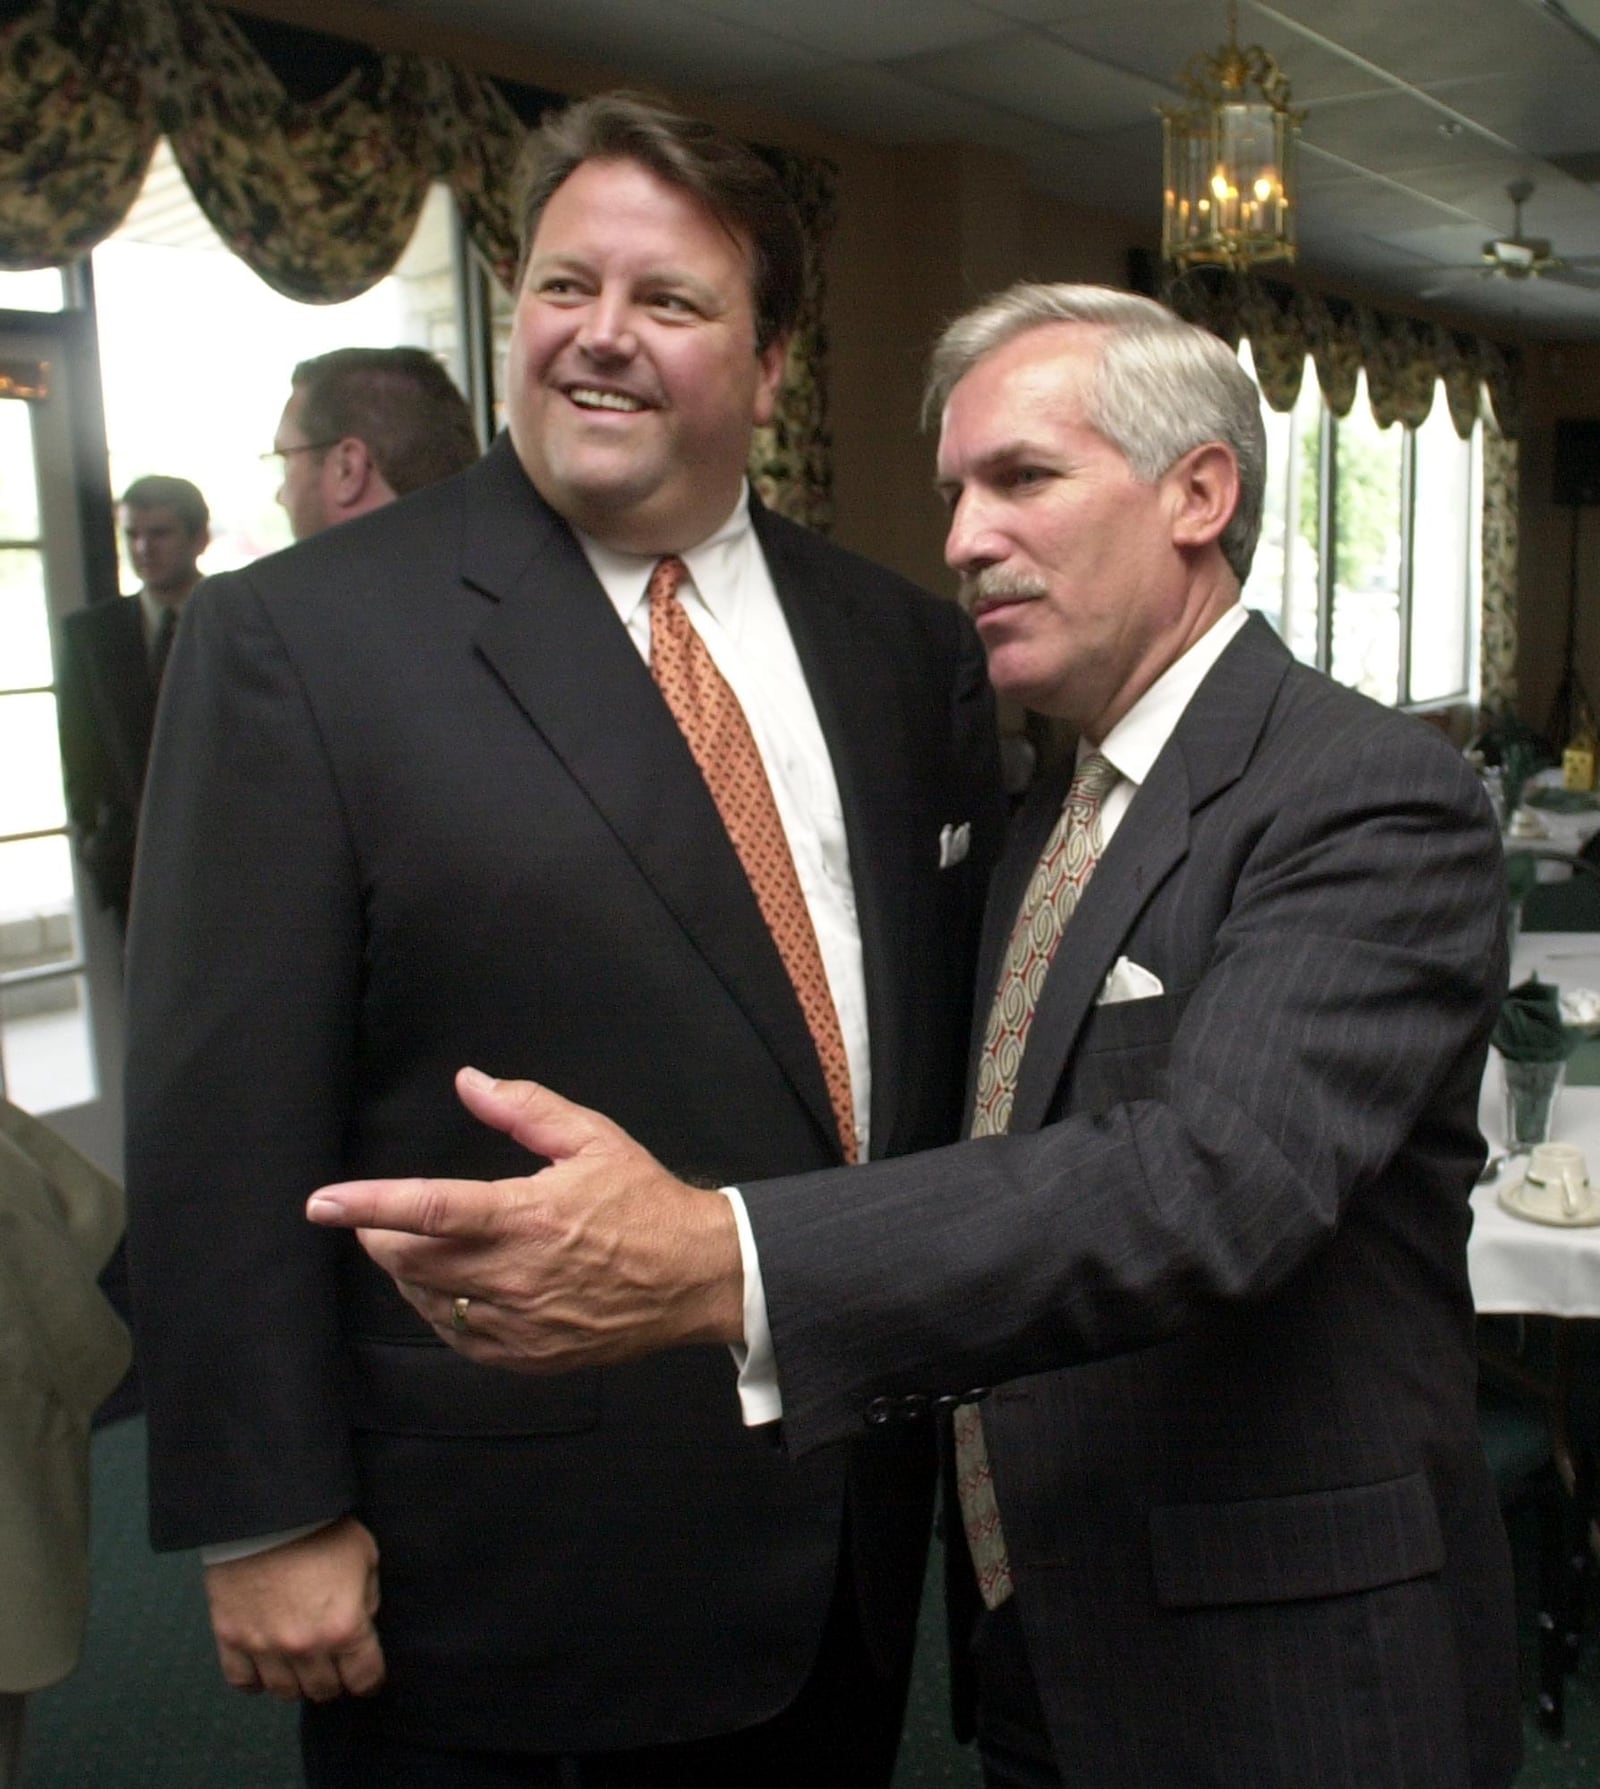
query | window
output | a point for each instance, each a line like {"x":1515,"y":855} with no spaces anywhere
{"x":196,"y":352}
{"x":1369,"y":559}
{"x":58,"y":1033}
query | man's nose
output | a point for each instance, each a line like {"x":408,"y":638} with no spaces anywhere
{"x":972,"y":541}
{"x":607,"y":332}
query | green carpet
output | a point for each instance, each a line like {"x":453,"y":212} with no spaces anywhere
{"x":147,"y":1709}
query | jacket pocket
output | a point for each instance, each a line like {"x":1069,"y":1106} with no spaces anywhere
{"x":1289,"y":1549}
{"x":423,"y":1388}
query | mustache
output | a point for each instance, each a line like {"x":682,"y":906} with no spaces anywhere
{"x":996,"y":583}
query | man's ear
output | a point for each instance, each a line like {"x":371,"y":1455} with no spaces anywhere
{"x":1204,"y":486}
{"x":771,"y":361}
{"x":349,"y":466}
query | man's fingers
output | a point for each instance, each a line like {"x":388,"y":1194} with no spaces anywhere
{"x":361,"y":1667}
{"x":447,"y":1208}
{"x":318,"y":1676}
{"x":238,"y":1669}
{"x":541,"y":1121}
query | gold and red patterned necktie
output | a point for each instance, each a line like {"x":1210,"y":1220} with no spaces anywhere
{"x":719,"y":739}
{"x":1064,"y":868}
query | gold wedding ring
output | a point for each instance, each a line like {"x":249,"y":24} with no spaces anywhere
{"x":458,"y":1315}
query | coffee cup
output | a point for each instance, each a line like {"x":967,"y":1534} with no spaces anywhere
{"x":1556,"y":1185}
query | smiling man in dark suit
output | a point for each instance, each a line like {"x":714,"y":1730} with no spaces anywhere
{"x":1227,"y":1506}
{"x":585,"y":762}
{"x":112,"y":657}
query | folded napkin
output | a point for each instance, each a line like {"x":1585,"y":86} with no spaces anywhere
{"x":1522,"y":872}
{"x":1562,"y":801}
{"x":1529,"y":1028}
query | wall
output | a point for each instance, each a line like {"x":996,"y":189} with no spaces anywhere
{"x":1562,"y":382}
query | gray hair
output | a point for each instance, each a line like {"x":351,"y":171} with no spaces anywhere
{"x":1160,"y":388}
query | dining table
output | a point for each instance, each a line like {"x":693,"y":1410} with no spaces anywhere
{"x":1515,"y":1264}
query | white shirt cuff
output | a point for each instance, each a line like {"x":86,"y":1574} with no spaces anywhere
{"x":225,"y":1552}
{"x":760,"y":1400}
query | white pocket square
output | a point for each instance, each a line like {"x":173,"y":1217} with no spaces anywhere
{"x":1128,"y":980}
{"x":954,"y":844}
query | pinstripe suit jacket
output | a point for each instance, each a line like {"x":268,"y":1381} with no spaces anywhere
{"x":1217,"y":1272}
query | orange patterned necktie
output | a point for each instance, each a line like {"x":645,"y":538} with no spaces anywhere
{"x":1064,"y":868}
{"x":719,"y":738}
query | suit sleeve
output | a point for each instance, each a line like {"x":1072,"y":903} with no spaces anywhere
{"x":244,"y":975}
{"x":103,"y":824}
{"x":1342,"y":1015}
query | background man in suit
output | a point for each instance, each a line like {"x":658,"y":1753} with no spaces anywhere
{"x":420,"y":796}
{"x":363,"y":426}
{"x":111,"y":657}
{"x":1229,"y":1509}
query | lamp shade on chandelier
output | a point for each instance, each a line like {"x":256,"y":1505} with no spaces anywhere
{"x":1230,"y":196}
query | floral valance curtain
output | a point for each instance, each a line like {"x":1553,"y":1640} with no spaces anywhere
{"x":320,"y":196}
{"x":1405,"y":361}
{"x":1404,"y":357}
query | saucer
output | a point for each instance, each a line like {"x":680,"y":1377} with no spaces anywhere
{"x":1587,"y":1214}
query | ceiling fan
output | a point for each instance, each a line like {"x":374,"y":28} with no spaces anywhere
{"x":1519,"y":257}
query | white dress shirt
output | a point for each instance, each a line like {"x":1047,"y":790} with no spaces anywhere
{"x":1132,"y":746}
{"x":730,"y":600}
{"x":734,"y":607}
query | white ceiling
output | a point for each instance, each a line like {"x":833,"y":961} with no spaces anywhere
{"x":1418,"y":112}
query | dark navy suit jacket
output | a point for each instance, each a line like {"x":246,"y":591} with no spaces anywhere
{"x":430,"y":809}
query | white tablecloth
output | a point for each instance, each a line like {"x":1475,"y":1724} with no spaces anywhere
{"x":1517,"y":1265}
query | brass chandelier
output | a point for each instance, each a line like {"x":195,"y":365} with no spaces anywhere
{"x":1228,"y":157}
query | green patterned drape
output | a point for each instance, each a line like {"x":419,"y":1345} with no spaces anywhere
{"x":1497,"y":658}
{"x":1404,"y":357}
{"x":1405,"y":361}
{"x":318,"y":198}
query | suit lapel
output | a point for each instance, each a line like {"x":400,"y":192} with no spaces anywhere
{"x":1209,"y":749}
{"x":557,"y":645}
{"x":849,"y":671}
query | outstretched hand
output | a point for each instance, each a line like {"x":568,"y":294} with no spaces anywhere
{"x":599,"y":1257}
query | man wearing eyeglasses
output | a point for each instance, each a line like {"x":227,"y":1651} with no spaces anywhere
{"x":363,"y":426}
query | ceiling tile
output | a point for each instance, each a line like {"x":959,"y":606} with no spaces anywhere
{"x":1036,"y":76}
{"x":666,"y":43}
{"x":877,"y":104}
{"x":854,"y":31}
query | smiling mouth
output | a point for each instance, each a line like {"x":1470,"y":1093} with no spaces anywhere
{"x":592,"y":397}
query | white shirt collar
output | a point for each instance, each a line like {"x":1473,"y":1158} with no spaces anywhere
{"x":712,"y":566}
{"x":1136,"y":741}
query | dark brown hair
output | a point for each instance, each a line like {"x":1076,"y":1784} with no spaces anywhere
{"x":157,"y":490}
{"x":399,"y":401}
{"x":729,"y":179}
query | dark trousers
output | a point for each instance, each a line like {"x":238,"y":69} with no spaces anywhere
{"x":1013,"y":1742}
{"x":841,"y":1732}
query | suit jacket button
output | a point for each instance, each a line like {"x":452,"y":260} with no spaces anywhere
{"x":914,"y":1405}
{"x":879,"y":1411}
